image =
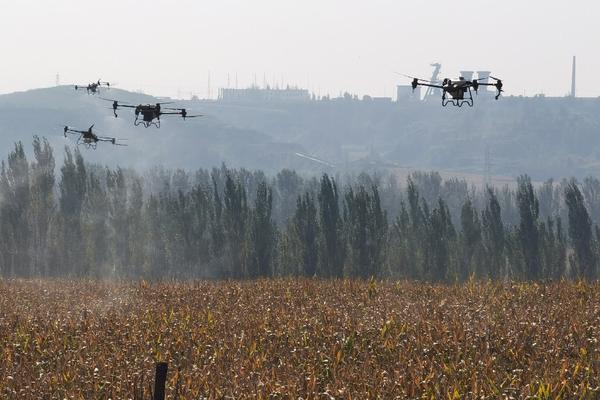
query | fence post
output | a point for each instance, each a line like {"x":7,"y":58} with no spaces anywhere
{"x":160,"y":380}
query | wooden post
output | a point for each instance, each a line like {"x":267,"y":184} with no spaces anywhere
{"x":160,"y":380}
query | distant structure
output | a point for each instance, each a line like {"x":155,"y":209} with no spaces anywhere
{"x":468,"y":75}
{"x":208,"y":87}
{"x":57,"y":79}
{"x":406,"y":93}
{"x":573,"y":76}
{"x":435,"y":78}
{"x":483,"y":77}
{"x":256,"y":94}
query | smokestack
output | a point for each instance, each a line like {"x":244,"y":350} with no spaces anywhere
{"x":468,"y":75}
{"x":573,"y":77}
{"x":483,"y":77}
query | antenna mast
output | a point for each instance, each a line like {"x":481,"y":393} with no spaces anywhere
{"x":573,"y":76}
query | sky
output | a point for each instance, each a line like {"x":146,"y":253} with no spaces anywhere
{"x":171,"y":48}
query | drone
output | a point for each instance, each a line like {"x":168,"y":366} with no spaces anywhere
{"x":89,"y":139}
{"x":151,"y":113}
{"x":459,"y":90}
{"x":94,"y":87}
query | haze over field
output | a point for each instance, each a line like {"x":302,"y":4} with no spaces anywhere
{"x":286,"y":214}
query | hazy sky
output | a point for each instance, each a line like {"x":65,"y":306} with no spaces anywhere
{"x":329,"y":46}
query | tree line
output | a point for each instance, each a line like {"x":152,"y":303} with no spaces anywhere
{"x":86,"y":220}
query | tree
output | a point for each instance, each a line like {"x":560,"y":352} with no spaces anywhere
{"x":95,"y":226}
{"x":366,"y":226}
{"x":43,"y":207}
{"x":304,"y":233}
{"x":16,"y":211}
{"x":235,"y":217}
{"x":288,"y":186}
{"x":17,"y":200}
{"x":331,"y":253}
{"x":262,"y":234}
{"x":135,"y":221}
{"x":470,"y":242}
{"x":439,"y":240}
{"x":493,"y":237}
{"x":580,"y":232}
{"x":528,"y":227}
{"x":117,"y":213}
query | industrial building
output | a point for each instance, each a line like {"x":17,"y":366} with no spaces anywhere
{"x":264,"y":95}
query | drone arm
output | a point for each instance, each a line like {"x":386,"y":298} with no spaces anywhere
{"x":497,"y":86}
{"x":430,"y":85}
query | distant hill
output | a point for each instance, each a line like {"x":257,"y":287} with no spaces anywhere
{"x":544,"y":137}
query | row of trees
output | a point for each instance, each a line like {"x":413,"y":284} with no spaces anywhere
{"x":94,"y":221}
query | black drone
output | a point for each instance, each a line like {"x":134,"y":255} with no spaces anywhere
{"x":459,"y":90}
{"x":89,"y":139}
{"x":94,"y":87}
{"x":151,"y":113}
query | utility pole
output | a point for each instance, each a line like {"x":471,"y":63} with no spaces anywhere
{"x":573,"y":76}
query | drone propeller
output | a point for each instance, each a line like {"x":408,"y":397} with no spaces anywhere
{"x":498,"y":86}
{"x":120,"y":103}
{"x":183,"y":112}
{"x":109,"y":138}
{"x":413,"y":78}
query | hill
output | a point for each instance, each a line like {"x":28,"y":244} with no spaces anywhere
{"x":545,"y":137}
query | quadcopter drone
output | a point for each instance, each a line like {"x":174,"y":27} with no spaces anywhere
{"x":151,"y":113}
{"x":459,"y":90}
{"x":89,"y":139}
{"x":94,"y":87}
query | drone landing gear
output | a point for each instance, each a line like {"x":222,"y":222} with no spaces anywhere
{"x":146,"y":124}
{"x":88,"y":145}
{"x":457,"y":102}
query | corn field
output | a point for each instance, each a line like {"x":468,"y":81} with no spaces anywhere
{"x":291,"y":339}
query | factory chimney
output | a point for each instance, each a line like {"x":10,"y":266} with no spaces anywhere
{"x":573,"y":77}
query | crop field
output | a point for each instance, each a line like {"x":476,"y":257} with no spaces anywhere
{"x":291,"y":339}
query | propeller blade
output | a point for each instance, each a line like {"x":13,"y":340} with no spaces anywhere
{"x":412,"y":77}
{"x":194,"y":116}
{"x":121,"y":103}
{"x":496,"y":79}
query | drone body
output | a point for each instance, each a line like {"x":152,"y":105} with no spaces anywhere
{"x":149,"y":114}
{"x":459,"y":90}
{"x":94,"y":87}
{"x":89,"y":139}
